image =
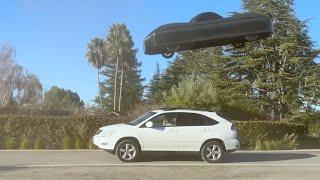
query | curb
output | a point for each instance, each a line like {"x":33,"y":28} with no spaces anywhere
{"x":97,"y":150}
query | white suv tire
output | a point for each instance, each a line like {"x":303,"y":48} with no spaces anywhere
{"x":128,"y":151}
{"x":213,"y":152}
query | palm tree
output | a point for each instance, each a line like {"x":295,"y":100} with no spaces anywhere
{"x":118,"y":44}
{"x":97,"y":57}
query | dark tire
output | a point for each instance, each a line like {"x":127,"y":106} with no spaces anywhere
{"x":128,"y":151}
{"x":252,"y":37}
{"x":213,"y":152}
{"x":239,"y":45}
{"x":168,"y":55}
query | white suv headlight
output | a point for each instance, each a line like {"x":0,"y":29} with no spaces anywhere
{"x":107,"y":133}
{"x":99,"y":131}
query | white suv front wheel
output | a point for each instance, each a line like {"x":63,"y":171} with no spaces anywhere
{"x":212,"y":152}
{"x":128,"y":151}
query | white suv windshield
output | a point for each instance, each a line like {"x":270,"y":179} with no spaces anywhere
{"x":141,"y":118}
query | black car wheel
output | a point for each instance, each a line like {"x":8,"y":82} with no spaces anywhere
{"x":167,"y":55}
{"x":239,"y":45}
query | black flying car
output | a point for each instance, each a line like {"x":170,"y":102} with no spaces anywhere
{"x":206,"y":30}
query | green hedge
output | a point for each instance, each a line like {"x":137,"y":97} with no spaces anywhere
{"x":72,"y":132}
{"x":50,"y":132}
{"x":250,"y":131}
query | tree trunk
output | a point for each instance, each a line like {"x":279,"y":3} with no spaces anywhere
{"x":99,"y":86}
{"x":115,"y":85}
{"x":120,"y":91}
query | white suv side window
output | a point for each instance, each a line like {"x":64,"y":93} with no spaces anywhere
{"x":187,"y":119}
{"x":165,"y":120}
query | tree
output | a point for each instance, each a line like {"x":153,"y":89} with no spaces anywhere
{"x":118,"y":46}
{"x":122,"y":70}
{"x":97,"y":57}
{"x":58,"y":99}
{"x":198,"y":62}
{"x":193,"y":92}
{"x":273,"y":70}
{"x":17,"y":86}
{"x":154,"y":94}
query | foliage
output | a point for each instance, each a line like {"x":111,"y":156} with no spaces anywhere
{"x":77,"y":131}
{"x":10,"y":143}
{"x":251,"y":131}
{"x":120,"y":68}
{"x":19,"y":88}
{"x":154,"y":91}
{"x":96,"y":55}
{"x":68,"y":142}
{"x":91,"y":145}
{"x":25,"y":144}
{"x":266,"y":79}
{"x":52,"y":131}
{"x":79,"y":143}
{"x":193,"y":92}
{"x":58,"y":99}
{"x":39,"y":143}
{"x":310,"y":119}
{"x":276,"y":69}
{"x":287,"y":142}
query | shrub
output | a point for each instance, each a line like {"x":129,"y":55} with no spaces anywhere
{"x":10,"y":143}
{"x":286,"y":143}
{"x":25,"y":143}
{"x":67,"y":142}
{"x":314,"y":130}
{"x":77,"y":131}
{"x":193,"y":92}
{"x":39,"y":144}
{"x":250,"y":131}
{"x":79,"y":143}
{"x":91,"y":145}
{"x":308,"y":142}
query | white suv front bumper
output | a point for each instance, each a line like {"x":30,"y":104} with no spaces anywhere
{"x":104,"y":142}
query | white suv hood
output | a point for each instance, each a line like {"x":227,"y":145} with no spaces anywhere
{"x":116,"y":127}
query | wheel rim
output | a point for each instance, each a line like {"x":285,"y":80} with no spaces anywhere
{"x":167,"y":54}
{"x":213,"y":152}
{"x":127,"y":151}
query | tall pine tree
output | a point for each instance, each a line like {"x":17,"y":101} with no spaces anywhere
{"x":122,"y":89}
{"x":276,"y":67}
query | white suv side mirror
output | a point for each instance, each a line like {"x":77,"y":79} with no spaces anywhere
{"x":149,"y":124}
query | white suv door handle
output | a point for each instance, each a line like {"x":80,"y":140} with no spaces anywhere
{"x":206,"y":129}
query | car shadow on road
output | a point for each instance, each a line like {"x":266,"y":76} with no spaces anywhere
{"x":261,"y":156}
{"x":231,"y":158}
{"x":169,"y":156}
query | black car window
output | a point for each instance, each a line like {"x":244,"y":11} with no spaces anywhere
{"x":164,"y":120}
{"x":187,"y":119}
{"x":206,"y":121}
{"x":141,"y":118}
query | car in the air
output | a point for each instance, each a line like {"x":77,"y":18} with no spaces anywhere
{"x":206,"y":30}
{"x":176,"y":130}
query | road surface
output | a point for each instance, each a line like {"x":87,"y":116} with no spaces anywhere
{"x":96,"y":164}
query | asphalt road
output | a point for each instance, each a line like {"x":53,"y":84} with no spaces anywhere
{"x":302,"y":164}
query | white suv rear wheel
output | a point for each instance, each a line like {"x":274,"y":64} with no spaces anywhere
{"x":212,"y":152}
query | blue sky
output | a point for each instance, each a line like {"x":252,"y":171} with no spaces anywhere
{"x":51,"y":36}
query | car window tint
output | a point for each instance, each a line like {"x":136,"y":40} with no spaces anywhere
{"x":206,"y":121}
{"x":164,"y":120}
{"x":187,"y":119}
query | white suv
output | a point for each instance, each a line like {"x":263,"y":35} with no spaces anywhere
{"x":180,"y":130}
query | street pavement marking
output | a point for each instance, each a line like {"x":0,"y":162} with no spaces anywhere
{"x":160,"y":165}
